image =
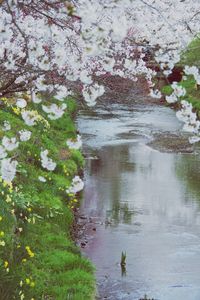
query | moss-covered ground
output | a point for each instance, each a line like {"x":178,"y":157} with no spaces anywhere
{"x":38,"y":259}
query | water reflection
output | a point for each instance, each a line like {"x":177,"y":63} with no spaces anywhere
{"x":107,"y":175}
{"x":149,"y":205}
{"x":188,"y":171}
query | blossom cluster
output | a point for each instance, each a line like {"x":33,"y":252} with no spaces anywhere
{"x":76,"y":186}
{"x":189,"y":118}
{"x":193,"y":71}
{"x":8,"y":165}
{"x":178,"y":92}
{"x":51,"y":40}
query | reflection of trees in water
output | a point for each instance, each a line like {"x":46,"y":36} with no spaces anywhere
{"x":188,"y":171}
{"x":120,"y":213}
{"x":113,"y":162}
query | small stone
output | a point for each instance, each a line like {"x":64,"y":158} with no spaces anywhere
{"x":83,"y":217}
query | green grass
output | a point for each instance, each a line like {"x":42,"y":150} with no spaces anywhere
{"x":191,"y":56}
{"x":40,"y":215}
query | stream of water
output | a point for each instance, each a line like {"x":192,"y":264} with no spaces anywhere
{"x":143,"y":202}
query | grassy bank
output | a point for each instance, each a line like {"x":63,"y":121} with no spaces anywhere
{"x":190,"y":57}
{"x":38,"y":258}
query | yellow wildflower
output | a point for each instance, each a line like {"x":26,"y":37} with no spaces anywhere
{"x":16,"y":110}
{"x":32,"y":284}
{"x":30,"y":253}
{"x":2,"y":243}
{"x":22,"y":297}
{"x":6,"y":264}
{"x":10,"y":189}
{"x":8,"y":199}
{"x":6,"y":183}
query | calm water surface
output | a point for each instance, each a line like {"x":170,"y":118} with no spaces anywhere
{"x":145,"y":202}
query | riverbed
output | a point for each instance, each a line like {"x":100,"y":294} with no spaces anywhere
{"x":142,"y":197}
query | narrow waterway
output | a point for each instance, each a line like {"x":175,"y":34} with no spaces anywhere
{"x":141,"y":201}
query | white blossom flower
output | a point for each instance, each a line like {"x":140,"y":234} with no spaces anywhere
{"x":47,"y":162}
{"x":85,"y":78}
{"x":194,"y":139}
{"x":6,"y":126}
{"x":172,"y":98}
{"x":20,"y":79}
{"x":119,"y":28}
{"x":155,"y":94}
{"x":179,"y":91}
{"x":54,"y":111}
{"x":91,"y":93}
{"x":35,"y":98}
{"x":167,"y":72}
{"x":193,"y":71}
{"x":10,"y":143}
{"x":8,"y":169}
{"x":187,"y":116}
{"x":21,"y":103}
{"x":3,"y":152}
{"x":42,"y":179}
{"x":62,"y":92}
{"x":191,"y":127}
{"x":25,"y":135}
{"x":76,"y":186}
{"x":29,"y":117}
{"x":74,"y":144}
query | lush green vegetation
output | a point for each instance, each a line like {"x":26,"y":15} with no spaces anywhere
{"x":191,"y":56}
{"x":38,"y":258}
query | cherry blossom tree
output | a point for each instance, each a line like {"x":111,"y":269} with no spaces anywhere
{"x":52,"y":46}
